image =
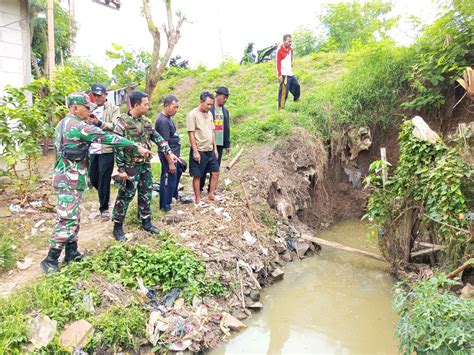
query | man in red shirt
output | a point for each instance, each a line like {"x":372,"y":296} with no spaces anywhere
{"x":286,"y":77}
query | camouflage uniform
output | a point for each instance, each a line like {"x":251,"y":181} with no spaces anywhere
{"x":70,"y":177}
{"x":138,"y":168}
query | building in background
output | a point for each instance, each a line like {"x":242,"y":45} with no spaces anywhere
{"x":15,"y":63}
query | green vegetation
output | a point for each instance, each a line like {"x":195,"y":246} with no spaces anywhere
{"x":119,"y":327}
{"x":60,"y":295}
{"x":432,"y":319}
{"x":7,"y":252}
{"x":441,"y":54}
{"x":65,"y":30}
{"x":171,"y":266}
{"x":429,"y":183}
{"x":355,"y":23}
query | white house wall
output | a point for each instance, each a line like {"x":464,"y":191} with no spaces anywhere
{"x":15,"y":67}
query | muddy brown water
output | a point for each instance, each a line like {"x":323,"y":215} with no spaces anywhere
{"x":335,"y":303}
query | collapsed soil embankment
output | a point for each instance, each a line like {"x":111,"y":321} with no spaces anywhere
{"x":242,"y":240}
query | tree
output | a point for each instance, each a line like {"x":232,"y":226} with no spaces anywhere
{"x":304,"y":41}
{"x":65,"y":29}
{"x":88,"y":72}
{"x":347,"y":22}
{"x":173,"y":35}
{"x":132,"y":67}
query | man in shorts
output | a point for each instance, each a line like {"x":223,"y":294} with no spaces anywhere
{"x":203,"y":155}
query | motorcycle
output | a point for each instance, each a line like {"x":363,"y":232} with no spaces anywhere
{"x":263,"y":55}
{"x":177,"y":63}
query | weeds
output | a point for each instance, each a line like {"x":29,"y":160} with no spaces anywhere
{"x":7,"y":253}
{"x":432,"y":320}
{"x":118,"y":327}
{"x":60,"y":297}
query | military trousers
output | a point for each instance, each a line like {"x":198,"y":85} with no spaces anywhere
{"x":68,"y":217}
{"x":139,"y":178}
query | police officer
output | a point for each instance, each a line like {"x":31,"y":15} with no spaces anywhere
{"x":135,"y":170}
{"x":73,"y":136}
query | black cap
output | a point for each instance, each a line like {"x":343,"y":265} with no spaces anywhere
{"x":222,"y":90}
{"x":98,"y":89}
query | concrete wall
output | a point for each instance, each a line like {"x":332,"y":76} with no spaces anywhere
{"x":15,"y":67}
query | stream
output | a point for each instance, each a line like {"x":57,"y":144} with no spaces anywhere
{"x":335,"y":303}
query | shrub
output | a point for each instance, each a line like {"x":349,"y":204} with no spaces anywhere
{"x":432,"y":320}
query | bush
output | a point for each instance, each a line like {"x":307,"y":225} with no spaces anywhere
{"x":7,"y":254}
{"x":442,"y":52}
{"x":119,"y":327}
{"x":432,"y":320}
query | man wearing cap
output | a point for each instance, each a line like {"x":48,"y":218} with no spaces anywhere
{"x":73,"y":136}
{"x":165,"y":126}
{"x":221,"y":126}
{"x":102,"y":156}
{"x":135,"y":170}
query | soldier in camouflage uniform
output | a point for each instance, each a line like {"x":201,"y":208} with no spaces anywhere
{"x":73,"y":136}
{"x":134,"y":170}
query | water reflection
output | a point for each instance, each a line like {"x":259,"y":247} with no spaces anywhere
{"x":337,"y":303}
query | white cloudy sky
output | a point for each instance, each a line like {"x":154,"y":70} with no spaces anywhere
{"x":240,"y":22}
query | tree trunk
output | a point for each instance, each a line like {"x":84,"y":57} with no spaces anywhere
{"x":173,"y":35}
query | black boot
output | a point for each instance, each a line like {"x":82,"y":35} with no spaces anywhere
{"x":50,"y":263}
{"x":71,"y":253}
{"x":119,"y":234}
{"x":149,"y":227}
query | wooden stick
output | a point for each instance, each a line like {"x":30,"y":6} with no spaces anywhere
{"x":249,"y":212}
{"x":342,"y":247}
{"x":427,"y":251}
{"x":241,"y":286}
{"x":383,"y":156}
{"x":233,"y":161}
{"x":461,"y":268}
{"x":250,"y":273}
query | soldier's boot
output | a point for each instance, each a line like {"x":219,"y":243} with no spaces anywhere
{"x":149,"y":227}
{"x":72,"y":254}
{"x":119,"y":234}
{"x":51,"y":262}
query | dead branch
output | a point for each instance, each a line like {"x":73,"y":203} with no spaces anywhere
{"x":459,"y":269}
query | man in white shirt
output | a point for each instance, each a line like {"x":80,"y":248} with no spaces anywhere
{"x":102,"y":156}
{"x":286,"y":78}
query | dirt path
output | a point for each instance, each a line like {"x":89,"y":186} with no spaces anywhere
{"x":93,"y":236}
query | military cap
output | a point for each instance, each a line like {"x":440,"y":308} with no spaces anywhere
{"x":79,"y":98}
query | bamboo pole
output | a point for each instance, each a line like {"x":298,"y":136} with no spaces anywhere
{"x":342,"y":247}
{"x":233,"y":161}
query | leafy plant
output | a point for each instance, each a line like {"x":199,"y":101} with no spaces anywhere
{"x":65,"y":30}
{"x":428,"y":177}
{"x":432,"y":319}
{"x":441,"y":55}
{"x":23,"y":125}
{"x":171,"y":266}
{"x":7,"y":252}
{"x":304,"y":41}
{"x":119,"y":327}
{"x":131,"y":67}
{"x":347,"y":23}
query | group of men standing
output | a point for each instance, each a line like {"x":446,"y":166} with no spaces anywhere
{"x":93,"y":137}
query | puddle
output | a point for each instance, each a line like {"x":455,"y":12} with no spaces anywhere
{"x":335,"y":303}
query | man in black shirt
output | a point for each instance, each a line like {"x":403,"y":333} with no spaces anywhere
{"x":165,"y":126}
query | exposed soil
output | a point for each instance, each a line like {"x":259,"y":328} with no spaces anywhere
{"x":239,"y":237}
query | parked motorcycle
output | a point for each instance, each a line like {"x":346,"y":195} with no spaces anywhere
{"x":177,"y":62}
{"x":263,"y":55}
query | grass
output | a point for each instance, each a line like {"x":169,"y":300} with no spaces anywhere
{"x":60,"y":297}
